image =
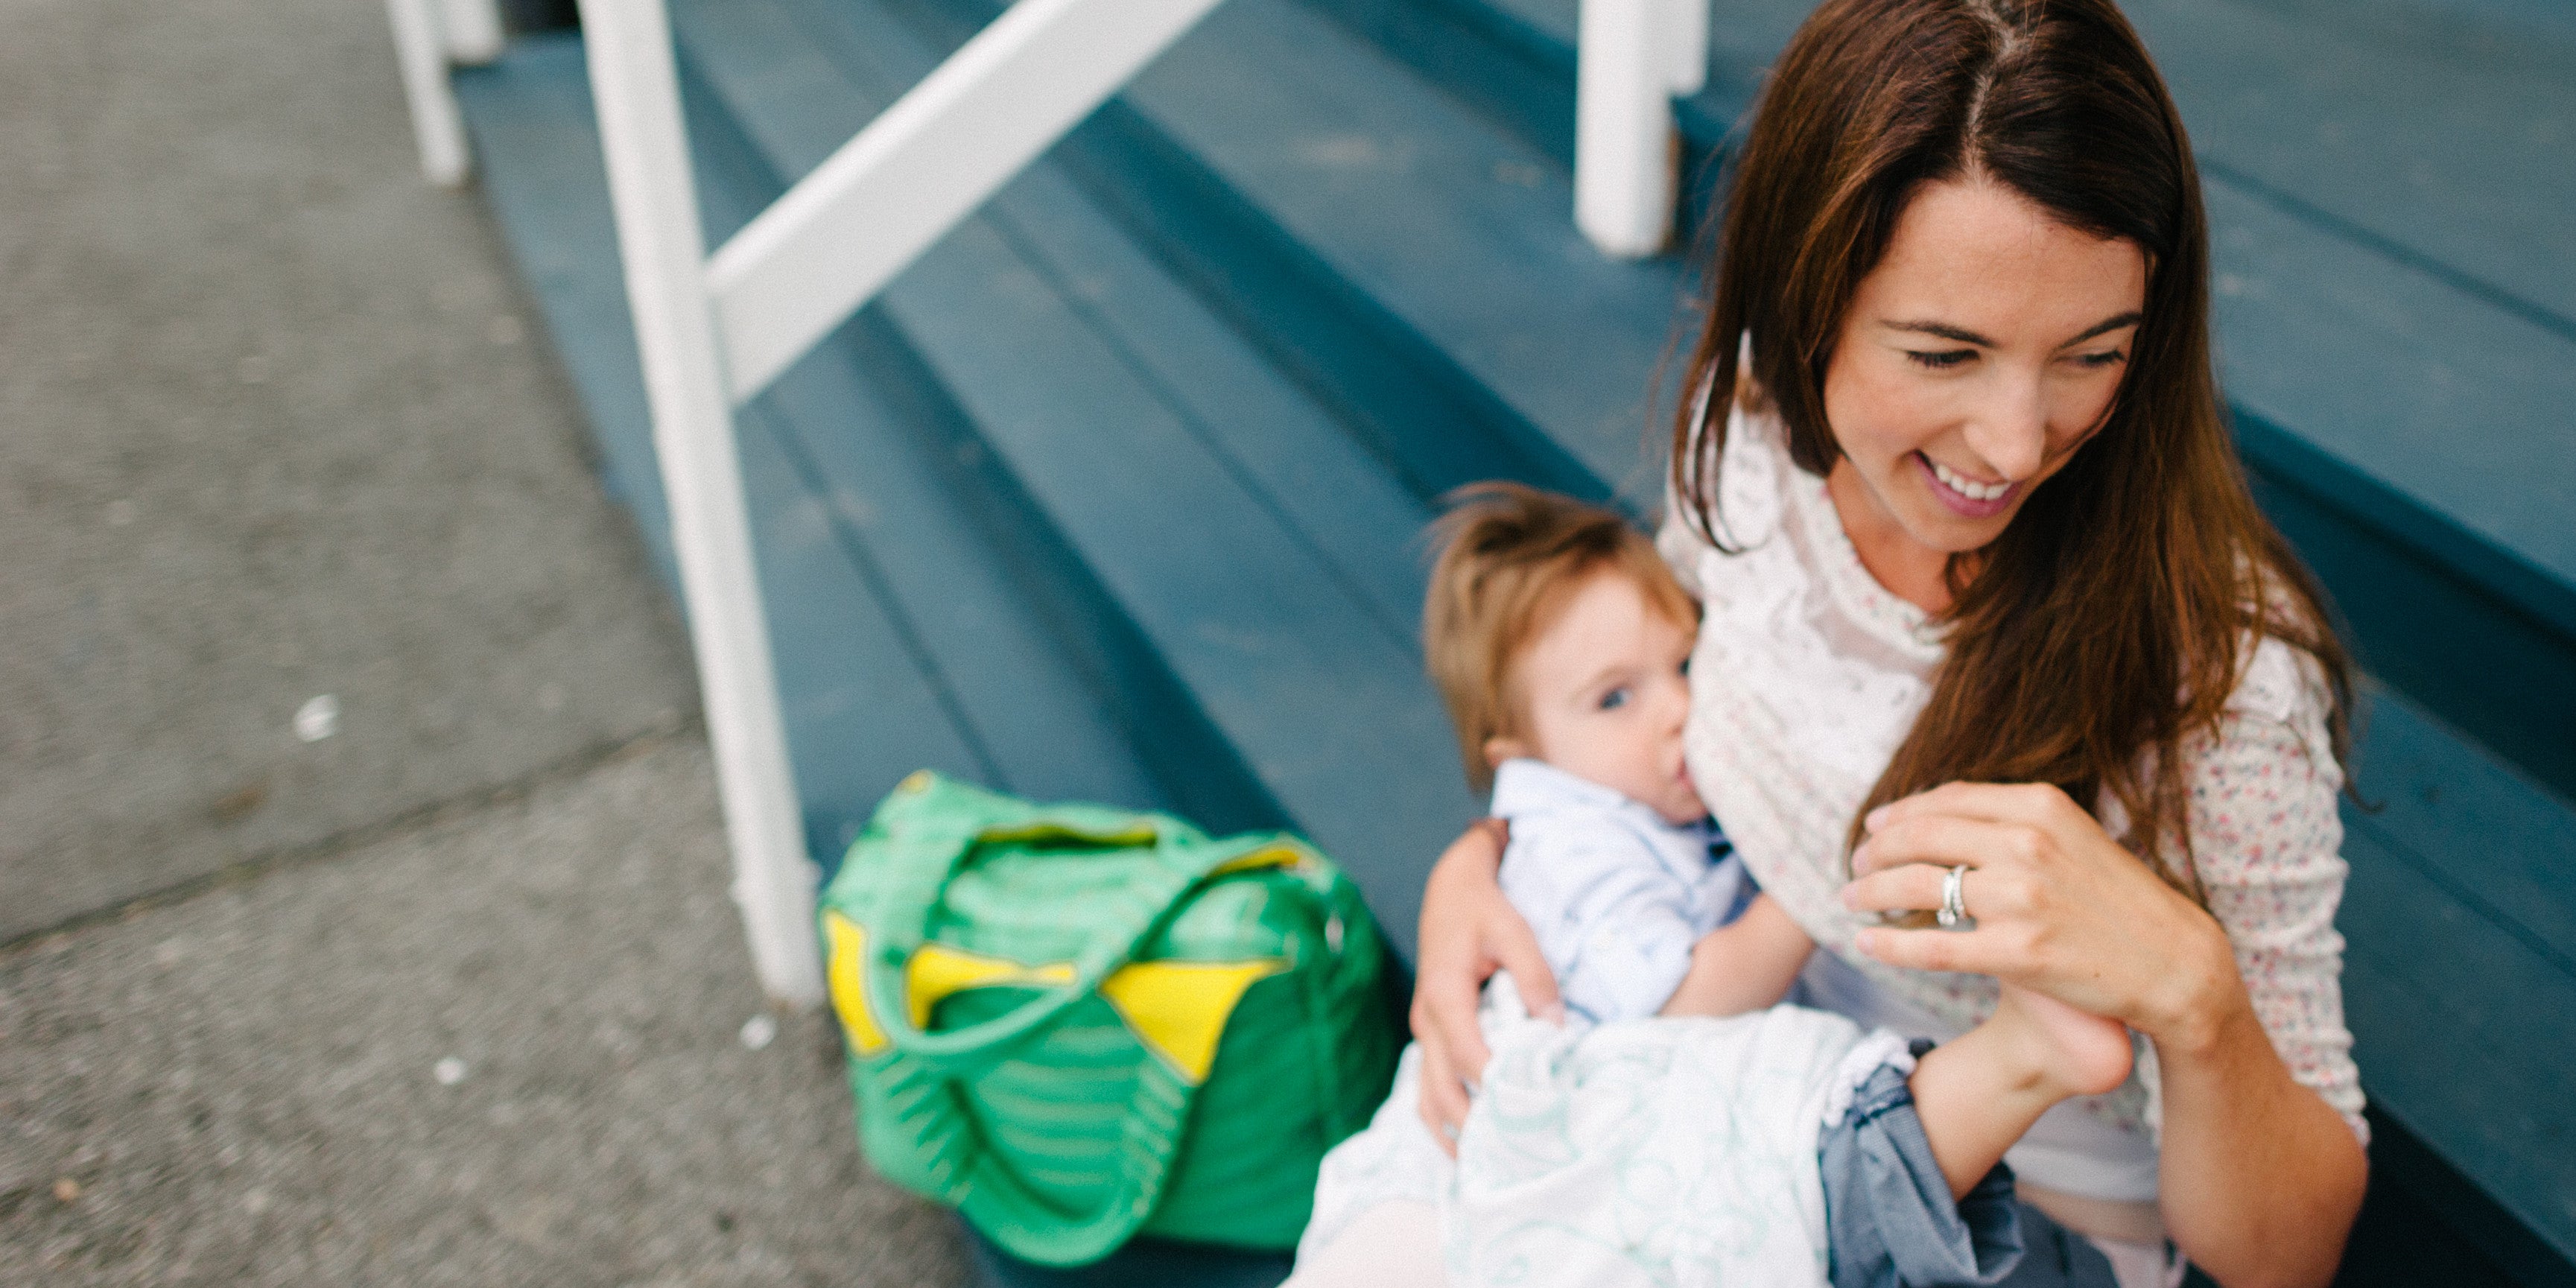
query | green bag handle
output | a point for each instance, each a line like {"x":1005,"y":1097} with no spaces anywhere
{"x":935,"y":844}
{"x":936,"y":839}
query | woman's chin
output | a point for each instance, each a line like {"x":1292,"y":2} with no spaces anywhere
{"x":1937,"y":527}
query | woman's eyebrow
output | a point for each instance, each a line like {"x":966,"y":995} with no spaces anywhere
{"x":2106,"y":326}
{"x":1965,"y":336}
{"x":1944,"y":330}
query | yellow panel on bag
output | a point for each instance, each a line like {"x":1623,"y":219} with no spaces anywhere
{"x":849,"y":945}
{"x":1277,"y":856}
{"x":1179,"y":1009}
{"x":938,"y":972}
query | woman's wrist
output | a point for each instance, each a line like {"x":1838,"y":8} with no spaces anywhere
{"x":2203,"y":1005}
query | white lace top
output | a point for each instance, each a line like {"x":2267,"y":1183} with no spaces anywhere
{"x":1807,"y":676}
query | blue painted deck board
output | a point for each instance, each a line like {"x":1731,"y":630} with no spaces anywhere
{"x":1325,"y":703}
{"x":2460,"y":964}
{"x":2465,"y":1043}
{"x":2502,"y":843}
{"x":2459,"y":408}
{"x":860,"y":713}
{"x":2449,"y":129}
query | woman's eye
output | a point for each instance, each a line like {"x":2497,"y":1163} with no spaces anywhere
{"x":1614,"y":699}
{"x":1942,"y":361}
{"x":2106,"y":358}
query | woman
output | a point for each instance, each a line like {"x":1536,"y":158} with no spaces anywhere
{"x":1991,"y":619}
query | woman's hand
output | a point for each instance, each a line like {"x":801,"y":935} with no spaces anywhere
{"x":2059,"y":907}
{"x":2261,"y":1177}
{"x":1468,"y":931}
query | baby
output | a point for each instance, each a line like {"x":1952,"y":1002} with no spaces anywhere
{"x":1779,"y":1147}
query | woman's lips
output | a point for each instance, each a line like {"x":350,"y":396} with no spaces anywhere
{"x":1960,"y":503}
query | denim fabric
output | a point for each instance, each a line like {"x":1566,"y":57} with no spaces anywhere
{"x":2056,"y":1257}
{"x":1889,"y":1221}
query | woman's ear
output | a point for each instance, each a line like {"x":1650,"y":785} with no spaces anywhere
{"x":1498,"y":750}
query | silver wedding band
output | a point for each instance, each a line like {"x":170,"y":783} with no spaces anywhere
{"x":1954,"y":898}
{"x":1449,"y":1130}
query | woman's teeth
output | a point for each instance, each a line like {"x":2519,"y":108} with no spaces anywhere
{"x":1967,"y":487}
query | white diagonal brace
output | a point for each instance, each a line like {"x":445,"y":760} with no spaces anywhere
{"x":845,"y":230}
{"x":635,"y":83}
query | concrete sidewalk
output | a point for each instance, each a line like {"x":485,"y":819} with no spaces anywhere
{"x":505,"y":1047}
{"x":446,"y":989}
{"x":277,"y":425}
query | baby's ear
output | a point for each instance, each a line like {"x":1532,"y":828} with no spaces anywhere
{"x":1498,"y":750}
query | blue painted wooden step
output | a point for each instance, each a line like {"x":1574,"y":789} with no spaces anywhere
{"x":2460,"y":980}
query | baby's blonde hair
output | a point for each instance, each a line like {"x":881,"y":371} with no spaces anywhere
{"x":1510,"y":556}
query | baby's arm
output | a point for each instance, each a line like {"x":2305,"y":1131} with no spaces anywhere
{"x":1745,"y":965}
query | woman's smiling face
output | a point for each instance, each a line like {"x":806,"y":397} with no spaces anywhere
{"x":1984,"y":348}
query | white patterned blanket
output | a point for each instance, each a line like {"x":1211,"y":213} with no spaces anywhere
{"x":1678,"y":1152}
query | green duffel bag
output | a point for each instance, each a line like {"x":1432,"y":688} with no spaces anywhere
{"x":1076,"y":1024}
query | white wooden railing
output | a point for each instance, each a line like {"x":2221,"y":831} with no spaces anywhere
{"x":714,"y":330}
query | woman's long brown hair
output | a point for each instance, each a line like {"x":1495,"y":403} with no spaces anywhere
{"x":2106,"y":625}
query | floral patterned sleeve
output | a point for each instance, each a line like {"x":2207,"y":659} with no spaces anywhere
{"x":2267,"y":842}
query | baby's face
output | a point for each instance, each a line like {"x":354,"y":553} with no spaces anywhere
{"x":1607,"y":693}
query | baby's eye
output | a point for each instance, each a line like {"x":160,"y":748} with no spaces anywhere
{"x":1615,"y":699}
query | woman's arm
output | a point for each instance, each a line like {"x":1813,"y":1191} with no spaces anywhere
{"x":1468,"y":930}
{"x":2261,"y":1176}
{"x":1745,"y":965}
{"x":2275,"y":1177}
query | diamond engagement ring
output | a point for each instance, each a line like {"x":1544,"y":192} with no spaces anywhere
{"x":1954,"y":899}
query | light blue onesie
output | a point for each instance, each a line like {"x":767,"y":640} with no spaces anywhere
{"x":1615,"y":894}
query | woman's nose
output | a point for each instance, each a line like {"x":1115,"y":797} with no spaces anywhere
{"x":2011,"y":436}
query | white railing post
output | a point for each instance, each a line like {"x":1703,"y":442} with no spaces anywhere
{"x":1686,"y":38}
{"x":1623,"y":127}
{"x":420,"y":47}
{"x":635,"y":83}
{"x":473,"y":29}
